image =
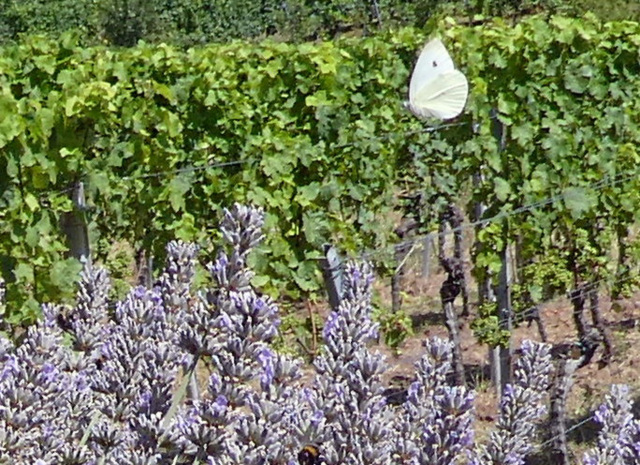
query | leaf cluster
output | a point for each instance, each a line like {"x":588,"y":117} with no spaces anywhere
{"x":161,"y":138}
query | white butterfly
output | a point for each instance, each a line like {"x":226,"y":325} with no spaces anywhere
{"x":437,"y":89}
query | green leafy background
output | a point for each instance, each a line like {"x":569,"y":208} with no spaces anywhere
{"x":316,"y":133}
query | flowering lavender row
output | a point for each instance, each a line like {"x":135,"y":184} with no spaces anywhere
{"x":619,"y":440}
{"x":121,"y":383}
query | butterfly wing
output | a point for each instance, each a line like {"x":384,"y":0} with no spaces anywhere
{"x":433,"y":60}
{"x":443,"y":97}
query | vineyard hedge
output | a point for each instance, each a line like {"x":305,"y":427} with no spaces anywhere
{"x":317,"y":135}
{"x":191,"y":22}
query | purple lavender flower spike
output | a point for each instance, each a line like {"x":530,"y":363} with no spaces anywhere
{"x":356,"y":427}
{"x":176,"y":281}
{"x":88,"y":321}
{"x":39,"y":409}
{"x":241,"y":227}
{"x":521,"y":408}
{"x":434,"y":424}
{"x":232,"y":329}
{"x":618,"y":441}
{"x":448,"y":437}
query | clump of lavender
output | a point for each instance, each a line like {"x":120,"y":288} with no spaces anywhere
{"x":619,"y":439}
{"x":435,"y":424}
{"x":45,"y":403}
{"x":245,"y":414}
{"x":88,"y":321}
{"x":176,"y":282}
{"x":521,"y":408}
{"x":348,"y":390}
{"x":112,"y":383}
{"x":447,"y":438}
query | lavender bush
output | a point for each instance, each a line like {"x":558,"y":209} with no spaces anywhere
{"x":521,"y":406}
{"x":122,"y":383}
{"x":619,"y":439}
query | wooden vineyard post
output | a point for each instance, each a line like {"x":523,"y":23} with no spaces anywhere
{"x":503,"y":299}
{"x":486,"y":293}
{"x":144,"y":263}
{"x":74,"y":225}
{"x":557,"y":416}
{"x":400,"y":253}
{"x":501,"y":360}
{"x":332,"y":271}
{"x":427,"y":251}
{"x":3,"y":308}
{"x":397,"y":278}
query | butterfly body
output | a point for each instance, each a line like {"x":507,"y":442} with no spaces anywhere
{"x":437,"y":89}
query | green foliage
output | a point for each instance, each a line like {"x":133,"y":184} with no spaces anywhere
{"x":316,"y":134}
{"x":161,"y":138}
{"x":189,"y":22}
{"x":486,"y":327}
{"x":566,"y":92}
{"x":612,"y":10}
{"x":542,"y":280}
{"x":125,"y":22}
{"x":44,"y":16}
{"x":395,"y":327}
{"x":299,"y":335}
{"x":120,"y":261}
